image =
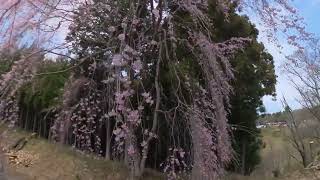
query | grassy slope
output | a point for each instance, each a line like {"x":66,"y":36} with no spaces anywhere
{"x":57,"y":162}
{"x":277,"y":155}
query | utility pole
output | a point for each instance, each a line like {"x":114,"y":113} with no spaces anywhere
{"x":311,"y":153}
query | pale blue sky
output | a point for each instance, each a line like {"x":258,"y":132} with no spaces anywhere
{"x":310,"y":11}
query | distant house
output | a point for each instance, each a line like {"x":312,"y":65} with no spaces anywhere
{"x":272,"y":124}
{"x":261,"y":126}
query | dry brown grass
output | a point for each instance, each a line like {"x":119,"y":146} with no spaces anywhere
{"x":57,"y":162}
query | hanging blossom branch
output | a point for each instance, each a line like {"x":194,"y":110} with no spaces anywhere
{"x":39,"y":20}
{"x":21,"y":72}
{"x":278,"y":18}
{"x":211,"y":140}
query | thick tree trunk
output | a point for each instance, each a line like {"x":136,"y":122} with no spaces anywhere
{"x":197,"y":173}
{"x":64,"y":129}
{"x":108,"y":140}
{"x":40,"y":126}
{"x":34,"y":123}
{"x":304,"y":158}
{"x":243,"y":157}
{"x":26,"y":120}
{"x":145,"y":150}
{"x":133,"y":160}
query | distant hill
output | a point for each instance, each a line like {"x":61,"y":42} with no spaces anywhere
{"x":299,"y":114}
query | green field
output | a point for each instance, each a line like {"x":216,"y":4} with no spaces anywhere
{"x":279,"y":158}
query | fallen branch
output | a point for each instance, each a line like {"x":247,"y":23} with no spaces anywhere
{"x":20,"y":144}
